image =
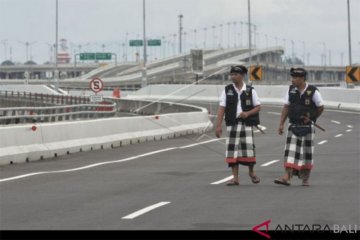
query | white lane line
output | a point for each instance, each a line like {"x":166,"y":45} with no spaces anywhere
{"x":145,"y":210}
{"x":336,"y":122}
{"x":349,"y":130}
{"x":339,"y":135}
{"x":349,"y":126}
{"x":322,"y":142}
{"x":222,"y":180}
{"x":196,"y":144}
{"x":269,"y":163}
{"x":274,"y":113}
{"x":108,"y":162}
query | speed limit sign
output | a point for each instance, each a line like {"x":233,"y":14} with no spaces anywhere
{"x":96,"y":85}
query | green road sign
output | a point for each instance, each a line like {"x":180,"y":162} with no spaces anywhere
{"x":103,"y":56}
{"x":87,"y":56}
{"x":136,"y":43}
{"x":95,"y":56}
{"x":154,"y":42}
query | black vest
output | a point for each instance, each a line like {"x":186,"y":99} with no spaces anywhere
{"x":246,"y":105}
{"x":301,"y":105}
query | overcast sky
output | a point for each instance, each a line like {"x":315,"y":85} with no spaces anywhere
{"x":308,"y":23}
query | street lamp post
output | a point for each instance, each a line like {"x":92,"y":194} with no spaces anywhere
{"x":349,"y":31}
{"x":144,"y":75}
{"x":4,"y":42}
{"x":249,"y":26}
{"x":180,"y":32}
{"x":56,"y":72}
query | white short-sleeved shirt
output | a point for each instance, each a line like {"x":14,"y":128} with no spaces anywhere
{"x":255,"y":98}
{"x":317,"y":99}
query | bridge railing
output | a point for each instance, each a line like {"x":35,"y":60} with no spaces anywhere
{"x":26,"y":107}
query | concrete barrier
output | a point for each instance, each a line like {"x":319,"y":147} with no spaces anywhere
{"x":334,"y":97}
{"x":22,"y":143}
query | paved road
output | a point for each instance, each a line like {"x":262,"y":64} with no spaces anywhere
{"x":168,"y":184}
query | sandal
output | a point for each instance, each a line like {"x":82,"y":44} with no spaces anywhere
{"x":305,"y":184}
{"x":254,"y":179}
{"x":282,"y":182}
{"x":232,"y":183}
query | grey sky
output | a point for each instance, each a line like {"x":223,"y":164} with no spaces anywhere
{"x":107,"y":21}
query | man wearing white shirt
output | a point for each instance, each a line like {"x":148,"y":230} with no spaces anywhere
{"x":303,"y":104}
{"x":240,"y":105}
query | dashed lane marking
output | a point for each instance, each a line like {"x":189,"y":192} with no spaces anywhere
{"x":145,"y":210}
{"x":269,"y":163}
{"x":322,"y":142}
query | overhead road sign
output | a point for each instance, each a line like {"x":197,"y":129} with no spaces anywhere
{"x":95,"y":56}
{"x":136,"y":43}
{"x":154,"y":42}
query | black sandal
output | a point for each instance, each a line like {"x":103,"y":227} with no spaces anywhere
{"x":255,"y":179}
{"x":282,"y":182}
{"x":232,"y":183}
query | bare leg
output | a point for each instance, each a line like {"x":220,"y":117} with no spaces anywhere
{"x":235,"y":172}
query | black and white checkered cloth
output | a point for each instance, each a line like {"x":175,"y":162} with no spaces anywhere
{"x":240,"y":145}
{"x":299,"y":150}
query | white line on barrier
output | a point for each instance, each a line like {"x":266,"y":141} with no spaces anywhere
{"x":222,"y":180}
{"x":322,"y":142}
{"x":339,"y":135}
{"x":269,"y":163}
{"x":108,"y":162}
{"x":349,"y":130}
{"x":145,"y":210}
{"x":349,"y":126}
{"x":336,"y":122}
{"x":274,"y":113}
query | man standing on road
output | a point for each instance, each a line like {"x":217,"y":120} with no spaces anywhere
{"x":303,"y":105}
{"x":240,"y":105}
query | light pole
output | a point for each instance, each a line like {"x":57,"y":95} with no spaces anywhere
{"x":180,"y":32}
{"x":234,"y":34}
{"x":56,"y":72}
{"x":5,"y":48}
{"x":27,"y":45}
{"x":213,"y":32}
{"x":205,"y":37}
{"x":195,"y":43}
{"x":249,"y":26}
{"x":349,"y":31}
{"x":144,"y":75}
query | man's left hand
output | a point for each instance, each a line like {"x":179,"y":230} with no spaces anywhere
{"x":244,"y":115}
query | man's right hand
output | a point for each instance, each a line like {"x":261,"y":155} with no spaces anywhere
{"x":218,"y":132}
{"x":281,"y":129}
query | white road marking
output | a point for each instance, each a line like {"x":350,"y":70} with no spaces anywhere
{"x":336,"y":122}
{"x":322,"y":142}
{"x":349,"y":126}
{"x":108,"y":162}
{"x":145,"y":210}
{"x":222,"y":180}
{"x":196,"y":144}
{"x":274,"y":113}
{"x":339,"y":135}
{"x":269,"y":163}
{"x":349,"y":130}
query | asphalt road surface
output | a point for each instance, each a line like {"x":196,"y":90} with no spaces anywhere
{"x":180,"y":184}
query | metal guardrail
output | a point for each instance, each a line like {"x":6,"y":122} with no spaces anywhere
{"x":50,"y":108}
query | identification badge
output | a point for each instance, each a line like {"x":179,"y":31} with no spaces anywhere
{"x":307,"y":101}
{"x":248,"y":102}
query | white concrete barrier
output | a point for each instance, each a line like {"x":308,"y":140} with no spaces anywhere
{"x":334,"y":97}
{"x":21,"y":144}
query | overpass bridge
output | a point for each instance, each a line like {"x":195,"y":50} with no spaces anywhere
{"x":175,"y":70}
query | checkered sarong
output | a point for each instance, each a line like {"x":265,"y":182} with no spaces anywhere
{"x":240,"y":145}
{"x":299,"y":150}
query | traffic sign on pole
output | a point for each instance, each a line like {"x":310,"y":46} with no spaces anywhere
{"x":96,"y":85}
{"x":103,"y":56}
{"x":352,"y":74}
{"x":255,"y":73}
{"x":197,"y":61}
